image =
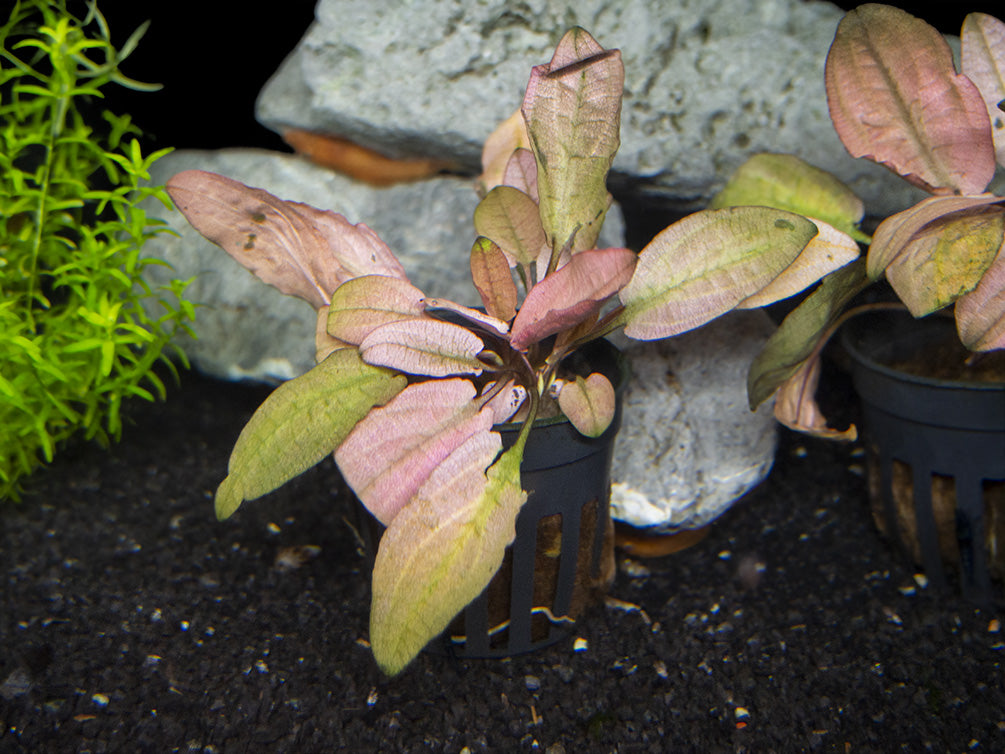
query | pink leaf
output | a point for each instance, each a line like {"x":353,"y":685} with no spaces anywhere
{"x":983,"y":62}
{"x":980,"y":314}
{"x":391,"y":452}
{"x":797,"y":409}
{"x":506,"y":401}
{"x":300,"y":250}
{"x":895,"y":98}
{"x":571,"y":294}
{"x":896,"y":231}
{"x":521,"y":173}
{"x":491,"y":274}
{"x":363,"y":304}
{"x":424,"y":347}
{"x":588,"y":403}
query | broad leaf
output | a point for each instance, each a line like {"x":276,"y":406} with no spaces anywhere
{"x":896,"y":231}
{"x":508,"y":136}
{"x":300,"y":423}
{"x":442,"y":550}
{"x":801,"y":332}
{"x":784,"y":181}
{"x":946,"y":258}
{"x":983,"y":62}
{"x":426,"y":347}
{"x":573,"y":113}
{"x":300,"y":250}
{"x":571,"y":294}
{"x":512,"y":220}
{"x":704,"y":265}
{"x":895,"y":98}
{"x":588,"y":403}
{"x":363,"y":304}
{"x":490,"y":272}
{"x":389,"y":454}
{"x":325,"y":344}
{"x":980,"y":314}
{"x":829,"y":250}
{"x":797,"y":409}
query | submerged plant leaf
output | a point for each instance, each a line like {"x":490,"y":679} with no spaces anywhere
{"x":573,"y":113}
{"x":363,"y":304}
{"x":983,"y":61}
{"x":571,"y":294}
{"x":829,"y":250}
{"x":300,"y":250}
{"x":465,"y":316}
{"x":797,"y":409}
{"x":512,"y":220}
{"x":300,"y":423}
{"x":390,"y":453}
{"x":704,"y":265}
{"x":784,"y":181}
{"x":946,"y":258}
{"x":895,"y":232}
{"x":442,"y":550}
{"x":424,"y":347}
{"x":588,"y":403}
{"x":490,"y":272}
{"x":801,"y":332}
{"x":980,"y":314}
{"x":895,"y":98}
{"x":521,"y":173}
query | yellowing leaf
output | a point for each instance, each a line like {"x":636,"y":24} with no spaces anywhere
{"x":363,"y":304}
{"x":704,"y":265}
{"x":442,"y":550}
{"x":588,"y":403}
{"x":573,"y":111}
{"x":511,"y":219}
{"x":784,"y":181}
{"x":490,"y":271}
{"x":300,"y":423}
{"x":508,"y":136}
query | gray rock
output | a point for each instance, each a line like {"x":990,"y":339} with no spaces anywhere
{"x":247,"y":329}
{"x":708,"y":83}
{"x":689,"y":446}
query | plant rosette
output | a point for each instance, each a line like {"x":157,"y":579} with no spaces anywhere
{"x":407,"y":389}
{"x":896,"y":98}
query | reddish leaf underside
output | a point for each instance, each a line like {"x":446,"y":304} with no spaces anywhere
{"x":983,"y":62}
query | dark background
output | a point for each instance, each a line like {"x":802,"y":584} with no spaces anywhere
{"x":214,"y":56}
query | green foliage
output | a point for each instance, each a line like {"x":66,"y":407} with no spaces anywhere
{"x":75,"y":339}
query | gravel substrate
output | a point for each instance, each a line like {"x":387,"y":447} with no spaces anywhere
{"x":133,"y":621}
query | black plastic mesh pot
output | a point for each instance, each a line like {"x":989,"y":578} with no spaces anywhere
{"x":943,"y":435}
{"x":562,"y":558}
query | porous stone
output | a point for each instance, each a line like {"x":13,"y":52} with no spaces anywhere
{"x":689,"y":445}
{"x":708,"y":83}
{"x":249,"y":330}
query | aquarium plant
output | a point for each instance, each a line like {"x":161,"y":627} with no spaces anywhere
{"x":75,"y":336}
{"x":407,"y":389}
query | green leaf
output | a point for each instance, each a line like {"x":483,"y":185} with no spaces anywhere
{"x":786,"y":182}
{"x":800,"y":332}
{"x":442,"y":550}
{"x":706,"y":264}
{"x":300,"y":423}
{"x":511,"y":219}
{"x":573,"y":112}
{"x":363,"y":304}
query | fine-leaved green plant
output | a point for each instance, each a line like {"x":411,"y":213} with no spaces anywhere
{"x":75,"y":338}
